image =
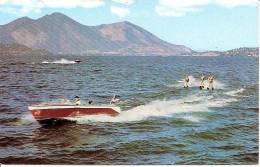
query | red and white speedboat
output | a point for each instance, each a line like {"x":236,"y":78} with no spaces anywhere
{"x":48,"y":113}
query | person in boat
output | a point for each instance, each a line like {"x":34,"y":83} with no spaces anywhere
{"x":77,"y":100}
{"x":202,"y":79}
{"x":115,"y":99}
{"x":186,"y":81}
{"x":210,"y":81}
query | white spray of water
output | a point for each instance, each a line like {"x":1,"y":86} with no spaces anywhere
{"x":235,"y":92}
{"x":220,"y":102}
{"x":191,"y":118}
{"x":195,"y":82}
{"x":158,"y":108}
{"x":162,"y":108}
{"x":26,"y":119}
{"x":61,"y":61}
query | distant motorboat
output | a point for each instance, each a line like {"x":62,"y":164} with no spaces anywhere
{"x":49,"y":113}
{"x":77,"y":61}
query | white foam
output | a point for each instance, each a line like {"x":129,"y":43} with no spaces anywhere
{"x":191,"y":118}
{"x":61,"y":61}
{"x":162,"y":108}
{"x":235,"y":92}
{"x":220,"y":102}
{"x":26,"y":119}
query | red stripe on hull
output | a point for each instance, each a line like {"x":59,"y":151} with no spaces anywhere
{"x":40,"y":114}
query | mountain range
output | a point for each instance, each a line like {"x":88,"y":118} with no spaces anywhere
{"x":242,"y":51}
{"x":59,"y":34}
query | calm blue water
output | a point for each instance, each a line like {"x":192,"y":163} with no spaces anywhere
{"x":160,"y":123}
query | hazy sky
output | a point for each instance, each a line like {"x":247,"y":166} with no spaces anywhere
{"x":198,"y":24}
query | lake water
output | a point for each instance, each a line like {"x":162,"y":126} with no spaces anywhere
{"x":161,"y":122}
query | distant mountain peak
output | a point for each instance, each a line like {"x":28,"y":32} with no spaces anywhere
{"x":20,"y":21}
{"x":125,"y":22}
{"x":56,"y":16}
{"x":25,"y":18}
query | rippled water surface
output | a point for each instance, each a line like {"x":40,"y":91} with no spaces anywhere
{"x":161,"y":122}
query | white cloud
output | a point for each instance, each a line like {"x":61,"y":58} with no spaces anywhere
{"x":181,"y":7}
{"x":9,"y":10}
{"x":235,"y":3}
{"x":121,"y":12}
{"x":26,"y":6}
{"x":125,"y":2}
{"x":72,"y":3}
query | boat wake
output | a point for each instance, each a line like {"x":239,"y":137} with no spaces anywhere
{"x":163,"y":108}
{"x":185,"y":107}
{"x":61,"y":61}
{"x":235,"y":92}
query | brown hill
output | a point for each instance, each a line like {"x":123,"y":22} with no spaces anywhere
{"x":13,"y":49}
{"x":18,"y":49}
{"x":242,"y":51}
{"x":58,"y":33}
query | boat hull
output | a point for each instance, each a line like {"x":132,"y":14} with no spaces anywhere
{"x":62,"y":112}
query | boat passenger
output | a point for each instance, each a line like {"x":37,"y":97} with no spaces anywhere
{"x":210,"y":81}
{"x":202,"y":79}
{"x":77,"y":100}
{"x":186,"y":81}
{"x":114,"y":99}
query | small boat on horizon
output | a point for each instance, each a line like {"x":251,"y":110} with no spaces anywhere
{"x":45,"y":114}
{"x":77,"y":61}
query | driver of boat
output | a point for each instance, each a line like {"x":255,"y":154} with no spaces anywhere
{"x":77,"y":100}
{"x":114,"y":99}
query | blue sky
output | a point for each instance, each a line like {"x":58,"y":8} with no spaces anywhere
{"x":198,"y":24}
